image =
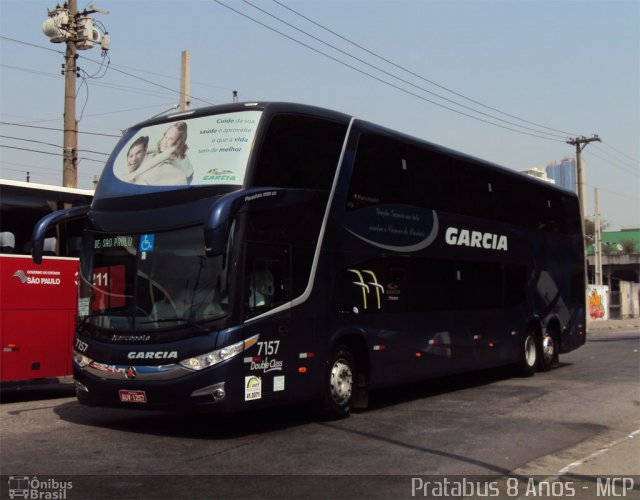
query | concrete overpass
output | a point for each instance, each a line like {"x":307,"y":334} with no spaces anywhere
{"x":617,"y":267}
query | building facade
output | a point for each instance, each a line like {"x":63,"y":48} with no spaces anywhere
{"x":563,"y":173}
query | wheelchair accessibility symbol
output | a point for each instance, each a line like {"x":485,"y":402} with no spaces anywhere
{"x":147,"y":242}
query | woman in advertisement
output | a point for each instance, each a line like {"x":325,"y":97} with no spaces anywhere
{"x":168,"y":164}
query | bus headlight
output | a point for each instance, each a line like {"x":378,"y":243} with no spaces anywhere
{"x":214,"y":357}
{"x":81,"y":360}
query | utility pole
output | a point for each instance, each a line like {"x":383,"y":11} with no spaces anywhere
{"x":580,"y":143}
{"x":77,"y":31}
{"x":70,"y":145}
{"x":598,"y":239}
{"x":185,"y":64}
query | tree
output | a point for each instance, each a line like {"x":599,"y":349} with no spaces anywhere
{"x":590,"y":228}
{"x":628,"y":246}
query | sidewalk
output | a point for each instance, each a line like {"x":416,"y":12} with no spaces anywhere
{"x":610,"y":453}
{"x":621,"y":455}
{"x":596,"y":326}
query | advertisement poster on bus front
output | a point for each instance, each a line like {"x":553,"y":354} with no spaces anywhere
{"x":198,"y":151}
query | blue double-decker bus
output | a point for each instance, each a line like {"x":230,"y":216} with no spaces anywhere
{"x":255,"y":254}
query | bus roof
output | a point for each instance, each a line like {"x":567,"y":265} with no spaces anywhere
{"x":272,"y":106}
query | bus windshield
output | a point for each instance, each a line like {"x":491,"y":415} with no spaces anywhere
{"x":151,"y":281}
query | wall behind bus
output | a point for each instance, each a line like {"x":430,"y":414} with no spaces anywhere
{"x":597,"y":302}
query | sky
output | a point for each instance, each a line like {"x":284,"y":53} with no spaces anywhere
{"x":505,"y":81}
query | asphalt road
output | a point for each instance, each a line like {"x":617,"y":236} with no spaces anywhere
{"x":484,"y":423}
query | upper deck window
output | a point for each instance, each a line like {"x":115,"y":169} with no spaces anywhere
{"x":299,"y":151}
{"x":197,"y":151}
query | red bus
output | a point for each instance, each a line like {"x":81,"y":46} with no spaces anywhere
{"x":37,"y":302}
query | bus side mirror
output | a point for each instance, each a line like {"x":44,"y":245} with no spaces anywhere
{"x":224,"y":210}
{"x":53,"y":219}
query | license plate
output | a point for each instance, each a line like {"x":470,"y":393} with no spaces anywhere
{"x":132,"y":396}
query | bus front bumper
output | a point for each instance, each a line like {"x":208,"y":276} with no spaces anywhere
{"x":156,"y":388}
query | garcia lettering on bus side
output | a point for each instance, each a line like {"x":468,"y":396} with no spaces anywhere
{"x":476,"y":239}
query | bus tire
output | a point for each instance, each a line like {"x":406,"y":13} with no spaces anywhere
{"x":339,"y":385}
{"x":548,"y":350}
{"x":526,"y":366}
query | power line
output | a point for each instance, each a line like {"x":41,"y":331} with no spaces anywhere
{"x":31,"y":140}
{"x":35,"y":72}
{"x":624,"y":158}
{"x":34,"y":168}
{"x":102,"y":114}
{"x":408,"y":92}
{"x":406,"y":82}
{"x":133,"y":90}
{"x":21,"y":42}
{"x":124,"y":88}
{"x":620,"y":167}
{"x":57,"y":129}
{"x":30,"y":150}
{"x":50,"y":144}
{"x":49,"y":153}
{"x":111,"y":67}
{"x":614,"y":192}
{"x":155,"y":84}
{"x":147,"y":72}
{"x":416,"y":74}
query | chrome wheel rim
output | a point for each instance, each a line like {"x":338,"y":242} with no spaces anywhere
{"x":341,"y":382}
{"x":548,"y":348}
{"x":530,"y":351}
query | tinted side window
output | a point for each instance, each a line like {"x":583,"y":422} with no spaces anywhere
{"x":479,"y":285}
{"x":515,"y":285}
{"x":431,"y":178}
{"x":413,"y":284}
{"x":507,"y":201}
{"x":299,"y":152}
{"x":434,"y":285}
{"x":379,"y":173}
{"x":393,"y":171}
{"x":267,"y":277}
{"x":279,"y":255}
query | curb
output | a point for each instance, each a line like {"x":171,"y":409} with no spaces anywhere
{"x":615,"y":324}
{"x":603,"y":454}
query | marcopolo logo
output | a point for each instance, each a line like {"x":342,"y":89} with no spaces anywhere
{"x":35,"y":488}
{"x":476,"y":239}
{"x":37,"y":277}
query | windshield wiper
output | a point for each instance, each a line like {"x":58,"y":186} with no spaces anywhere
{"x":84,"y":320}
{"x":190,"y":322}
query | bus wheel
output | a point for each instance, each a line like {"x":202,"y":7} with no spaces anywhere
{"x":548,"y":351}
{"x":339,"y":385}
{"x":526,"y":367}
